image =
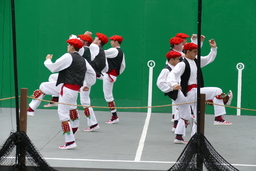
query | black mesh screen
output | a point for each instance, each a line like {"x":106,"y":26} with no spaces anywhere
{"x":18,"y":153}
{"x":199,"y":146}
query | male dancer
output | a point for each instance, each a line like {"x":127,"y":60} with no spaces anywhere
{"x":116,"y":62}
{"x":85,"y":90}
{"x":72,"y":68}
{"x":49,"y":88}
{"x":185,"y":74}
{"x":173,"y":93}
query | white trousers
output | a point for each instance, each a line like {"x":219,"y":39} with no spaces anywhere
{"x":69,"y":97}
{"x":48,"y":88}
{"x":175,"y":111}
{"x":53,"y":77}
{"x":184,"y":113}
{"x":69,"y":137}
{"x":108,"y":85}
{"x":86,"y":101}
{"x":210,"y":94}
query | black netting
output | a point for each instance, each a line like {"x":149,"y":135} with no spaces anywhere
{"x":28,"y":158}
{"x":212,"y":160}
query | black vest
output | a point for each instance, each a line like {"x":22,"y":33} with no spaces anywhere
{"x":99,"y":62}
{"x":115,"y":63}
{"x":87,"y":54}
{"x":75,"y":73}
{"x":185,"y":76}
{"x":172,"y":94}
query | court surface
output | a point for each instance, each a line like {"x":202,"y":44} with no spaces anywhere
{"x":140,"y":141}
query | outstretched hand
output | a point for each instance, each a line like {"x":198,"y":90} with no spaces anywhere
{"x":88,"y":33}
{"x":49,"y":56}
{"x":194,"y":37}
{"x":212,"y":43}
{"x":202,"y":38}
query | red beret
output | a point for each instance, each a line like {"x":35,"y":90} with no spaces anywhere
{"x":176,"y":40}
{"x":102,"y":37}
{"x":173,"y":54}
{"x":85,"y":37}
{"x":75,"y":42}
{"x":189,"y":46}
{"x":116,"y":38}
{"x":182,"y":35}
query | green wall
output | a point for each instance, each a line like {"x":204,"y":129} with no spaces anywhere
{"x":42,"y":27}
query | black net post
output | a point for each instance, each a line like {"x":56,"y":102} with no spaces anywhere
{"x":199,"y":112}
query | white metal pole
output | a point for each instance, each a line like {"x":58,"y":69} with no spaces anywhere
{"x":151,"y":65}
{"x":239,"y":67}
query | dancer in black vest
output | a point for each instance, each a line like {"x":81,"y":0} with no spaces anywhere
{"x":72,"y":68}
{"x":98,"y":60}
{"x":176,"y":44}
{"x":173,"y":91}
{"x":116,"y":62}
{"x":86,"y":89}
{"x":85,"y":100}
{"x":187,"y":72}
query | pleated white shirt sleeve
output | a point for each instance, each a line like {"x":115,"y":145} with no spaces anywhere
{"x":60,"y":64}
{"x":205,"y":60}
{"x":173,"y":77}
{"x":162,"y":83}
{"x":111,"y":52}
{"x":95,"y":49}
{"x":90,"y":76}
{"x":123,"y":65}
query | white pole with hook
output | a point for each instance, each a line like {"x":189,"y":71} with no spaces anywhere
{"x":239,"y":67}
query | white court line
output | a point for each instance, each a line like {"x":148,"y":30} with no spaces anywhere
{"x":100,"y":160}
{"x":142,"y":138}
{"x":151,"y":65}
{"x":128,"y":161}
{"x":131,"y":161}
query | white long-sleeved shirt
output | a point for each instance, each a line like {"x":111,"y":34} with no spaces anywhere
{"x":195,"y":41}
{"x":60,"y":64}
{"x":65,"y":61}
{"x":162,"y":80}
{"x":95,"y":49}
{"x":90,"y":76}
{"x":174,"y":76}
{"x":81,"y":52}
{"x":112,"y":53}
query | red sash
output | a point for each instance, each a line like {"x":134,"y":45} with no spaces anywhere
{"x":114,"y":73}
{"x":191,"y":86}
{"x":70,"y":86}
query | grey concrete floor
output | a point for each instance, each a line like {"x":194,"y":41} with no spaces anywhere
{"x":131,"y":144}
